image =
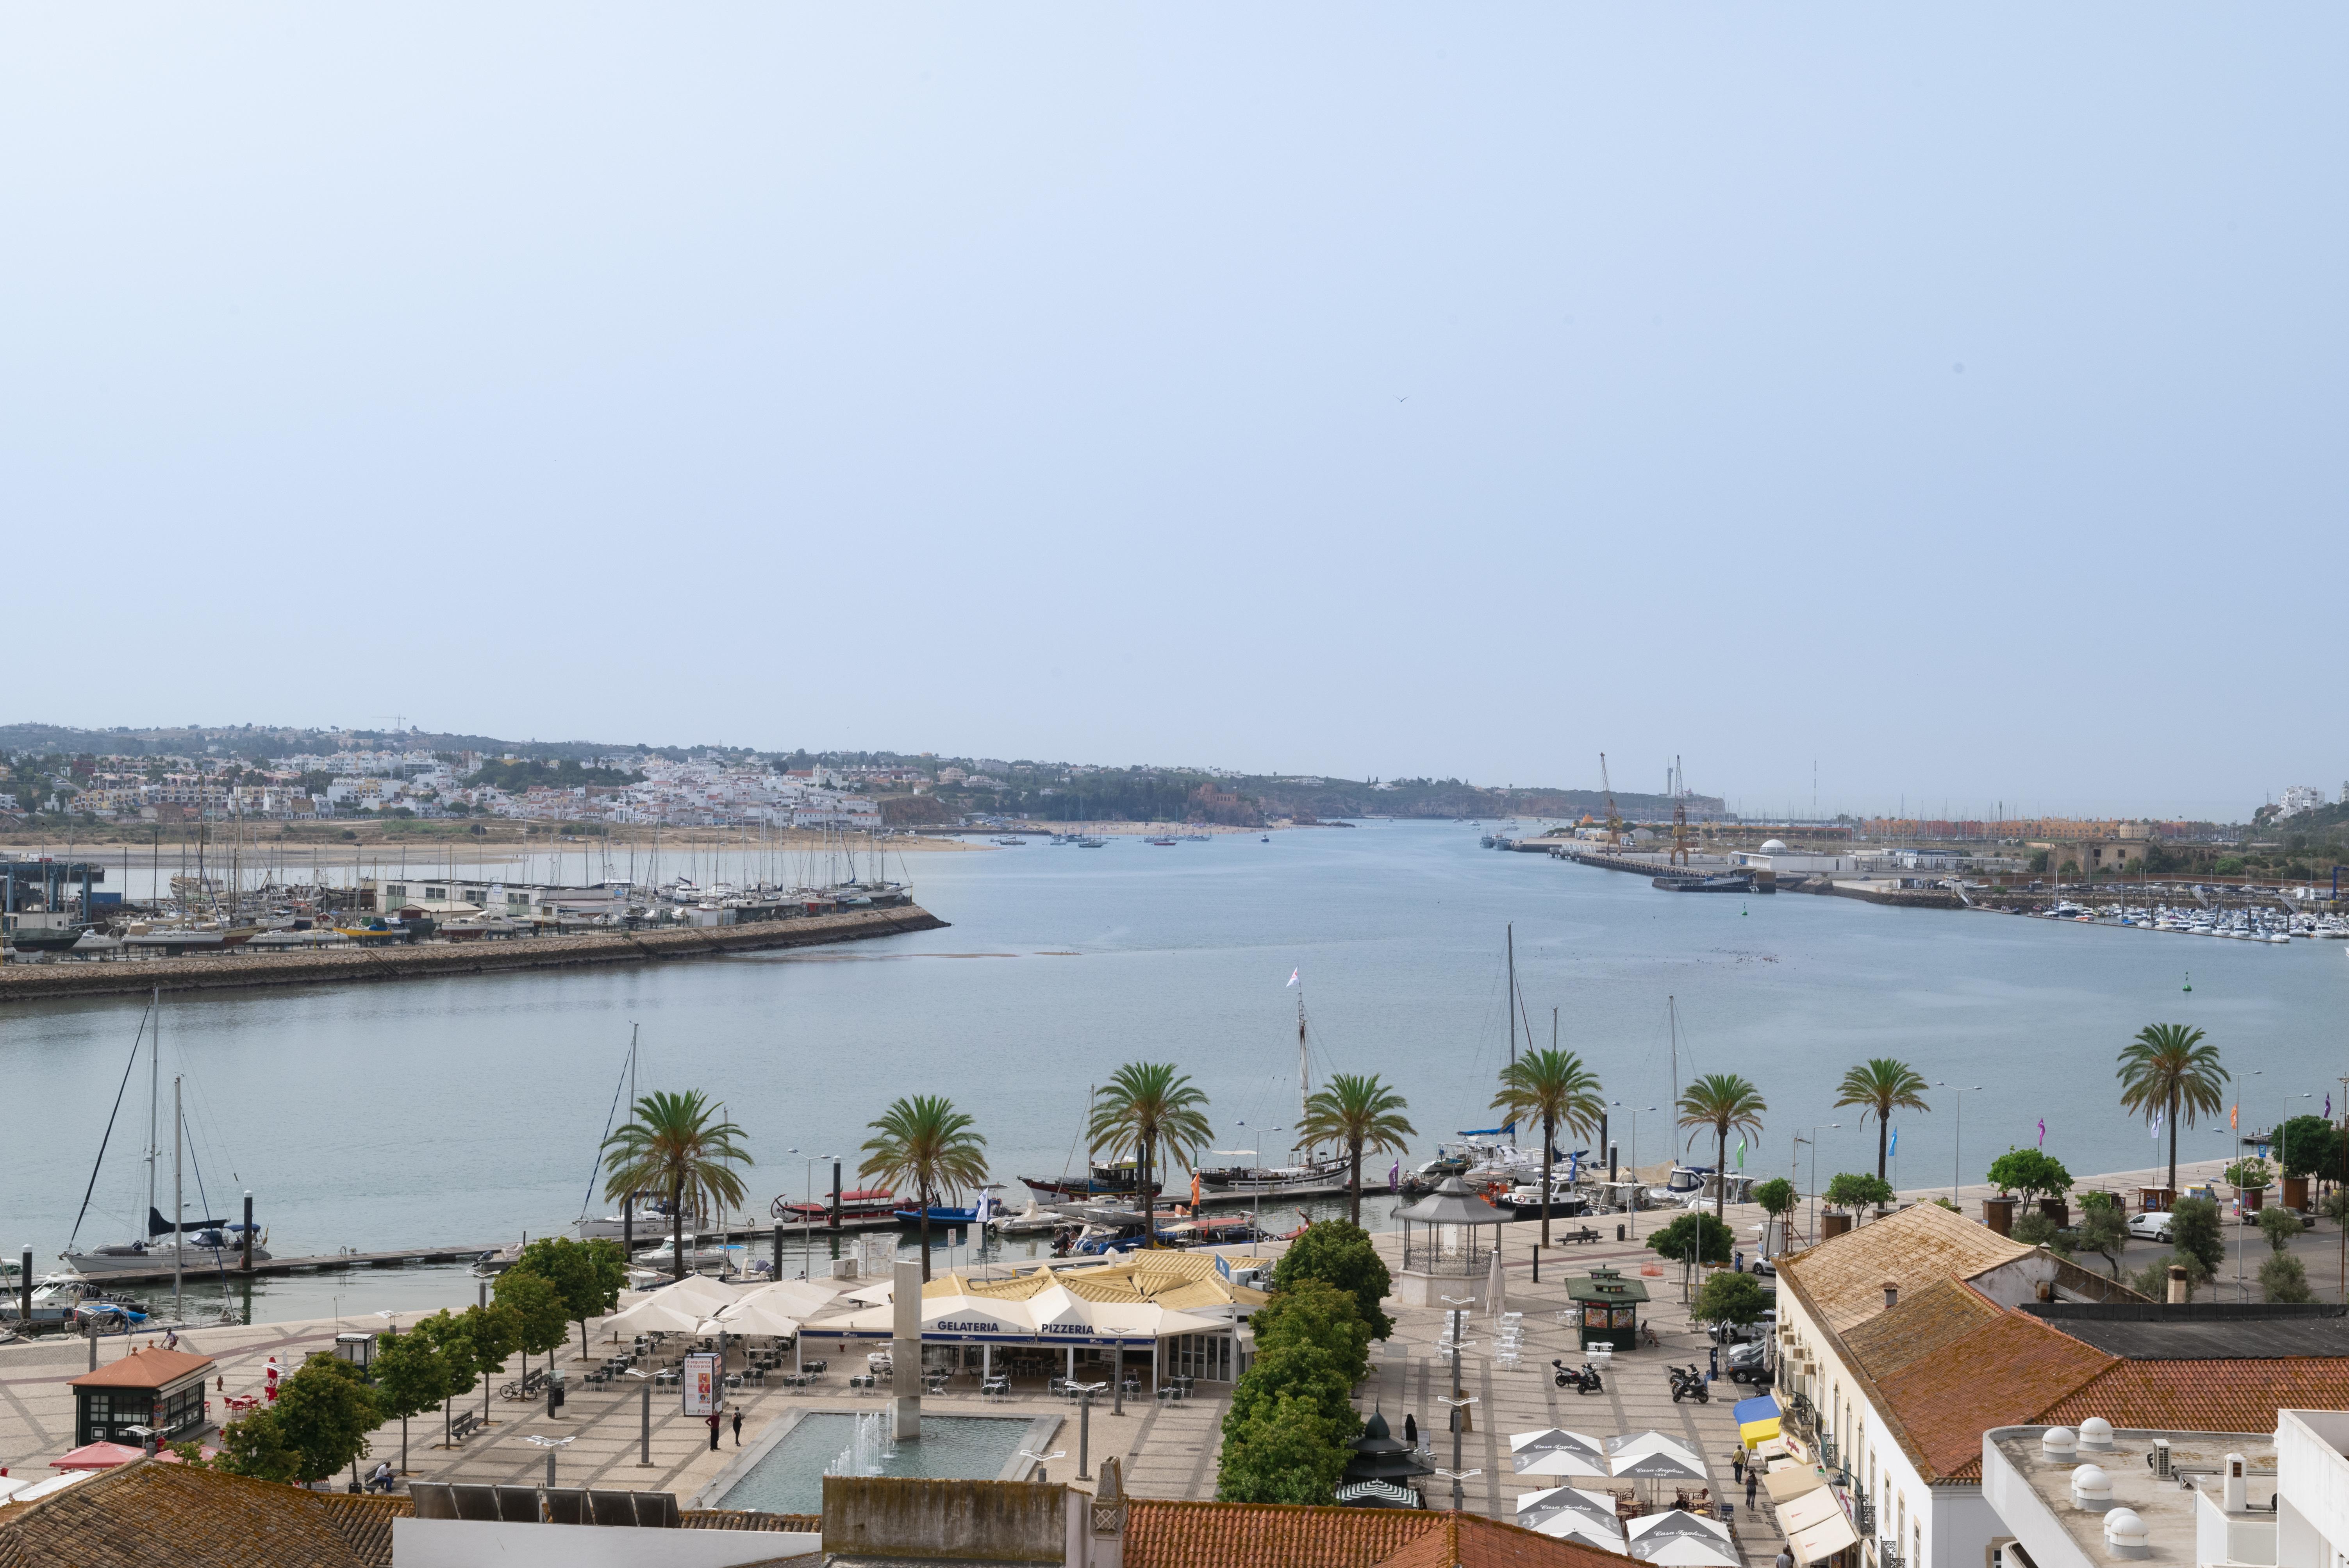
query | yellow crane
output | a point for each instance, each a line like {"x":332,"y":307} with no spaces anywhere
{"x":1614,"y":818}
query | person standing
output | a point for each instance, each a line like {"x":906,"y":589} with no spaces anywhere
{"x":1752,"y":1478}
{"x":713,"y":1432}
{"x":1737,"y":1464}
{"x":738,"y":1425}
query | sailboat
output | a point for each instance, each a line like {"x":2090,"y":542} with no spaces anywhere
{"x":1307,"y":1175}
{"x":203,"y":1243}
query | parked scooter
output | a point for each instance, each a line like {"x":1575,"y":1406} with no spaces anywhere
{"x":1585,"y":1381}
{"x":1689,"y":1382}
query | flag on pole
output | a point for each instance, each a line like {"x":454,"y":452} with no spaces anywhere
{"x":1292,"y":978}
{"x":2328,"y":1105}
{"x":2234,"y":1116}
{"x":2043,"y":1132}
{"x":1894,"y":1147}
{"x":1741,"y":1154}
{"x":1395,"y":1177}
{"x":2156,"y":1127}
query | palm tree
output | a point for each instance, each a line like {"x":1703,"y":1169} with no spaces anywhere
{"x":1143,"y":1108}
{"x":1883,"y":1085}
{"x":2170,"y":1068}
{"x":925,"y":1141}
{"x":675,"y":1145}
{"x":1361,"y":1113}
{"x":1721,"y":1101}
{"x":1551,"y":1087}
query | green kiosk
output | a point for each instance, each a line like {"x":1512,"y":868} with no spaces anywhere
{"x":1607,"y":1306}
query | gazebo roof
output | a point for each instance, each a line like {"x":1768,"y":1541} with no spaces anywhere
{"x":1451,"y":1204}
{"x":1604,"y":1286}
{"x":1378,"y":1455}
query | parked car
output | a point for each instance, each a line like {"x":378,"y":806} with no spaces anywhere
{"x":2150,"y":1226}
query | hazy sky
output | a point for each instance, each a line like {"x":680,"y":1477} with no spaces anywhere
{"x":1949,"y":396}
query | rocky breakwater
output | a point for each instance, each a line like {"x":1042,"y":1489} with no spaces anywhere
{"x":338,"y":965}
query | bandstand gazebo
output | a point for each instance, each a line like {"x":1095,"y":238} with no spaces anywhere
{"x":1444,"y":1251}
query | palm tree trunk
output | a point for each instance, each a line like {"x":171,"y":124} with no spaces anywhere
{"x":1549,"y":1137}
{"x":1355,"y":1145}
{"x":1149,"y":1197}
{"x":2173,"y":1144}
{"x":1883,"y":1133}
{"x":677,"y":1226}
{"x":922,"y":1196}
{"x":1720,"y":1179}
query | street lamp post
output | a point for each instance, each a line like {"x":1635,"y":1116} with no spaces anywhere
{"x":1957,"y":1155}
{"x":1814,"y":1141}
{"x":1635,"y":1112}
{"x":807,"y":1216}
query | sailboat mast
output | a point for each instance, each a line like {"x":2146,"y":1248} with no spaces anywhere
{"x":1513,"y":995}
{"x":1672,"y":1027}
{"x":154,"y":1098}
{"x":1304,"y":1065}
{"x":178,"y":1208}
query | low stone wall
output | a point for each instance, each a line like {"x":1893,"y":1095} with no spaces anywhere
{"x":965,"y":1521}
{"x":217,"y":972}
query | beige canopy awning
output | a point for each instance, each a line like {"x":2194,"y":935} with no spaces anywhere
{"x":1793,"y":1481}
{"x":1823,"y":1539}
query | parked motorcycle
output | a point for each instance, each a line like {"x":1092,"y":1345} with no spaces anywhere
{"x":1585,"y":1381}
{"x":1689,"y":1383}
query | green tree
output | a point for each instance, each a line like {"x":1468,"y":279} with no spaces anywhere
{"x":1712,"y":1238}
{"x":1730,"y":1298}
{"x":1340,"y":1254}
{"x":2280,"y":1226}
{"x":2308,"y":1146}
{"x":411,"y":1375}
{"x":1726,"y":1103}
{"x":1553,"y":1087}
{"x":2152,"y":1281}
{"x":1857,"y":1190}
{"x":1776,"y":1197}
{"x":1315,"y":1313}
{"x":1146,"y":1109}
{"x":445,"y":1333}
{"x":325,"y":1411}
{"x":1357,"y":1113}
{"x":2283,"y":1277}
{"x":587,"y":1275}
{"x":255,"y":1444}
{"x":541,"y":1323}
{"x":2169,"y":1070}
{"x":493,"y":1334}
{"x":1293,"y":1451}
{"x":675,"y":1145}
{"x":1880,"y":1086}
{"x":2103,"y":1230}
{"x":2031,"y":1173}
{"x":2249,"y":1171}
{"x":2034,"y":1229}
{"x":2194,"y":1229}
{"x":924,"y":1140}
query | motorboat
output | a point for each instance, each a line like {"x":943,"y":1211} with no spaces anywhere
{"x":863,"y":1203}
{"x":1120,"y":1178}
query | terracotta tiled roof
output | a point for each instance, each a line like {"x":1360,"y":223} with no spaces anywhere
{"x":1922,"y":1325}
{"x":143,"y":1369}
{"x":1924,"y":1245}
{"x":2001,"y":1375}
{"x":1161,"y":1534}
{"x":2206,"y":1396}
{"x":149,"y":1515}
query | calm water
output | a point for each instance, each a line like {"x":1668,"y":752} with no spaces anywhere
{"x":469,"y":1109}
{"x":789,"y":1476}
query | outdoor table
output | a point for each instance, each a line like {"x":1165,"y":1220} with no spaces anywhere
{"x":666,"y":1377}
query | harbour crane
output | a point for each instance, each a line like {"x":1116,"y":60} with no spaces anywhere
{"x":1614,"y":818}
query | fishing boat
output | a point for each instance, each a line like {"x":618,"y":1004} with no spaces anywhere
{"x":1011,"y":843}
{"x":864,"y":1202}
{"x":1274,"y":1181}
{"x":1118,"y":1178}
{"x":1162,"y":844}
{"x":1090,"y":842}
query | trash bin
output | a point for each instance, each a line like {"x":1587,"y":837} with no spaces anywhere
{"x":1619,"y":1232}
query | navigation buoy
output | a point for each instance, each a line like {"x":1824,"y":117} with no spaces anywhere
{"x":2189,"y":980}
{"x":1741,"y":910}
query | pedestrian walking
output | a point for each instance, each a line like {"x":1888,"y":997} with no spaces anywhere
{"x":1752,"y":1478}
{"x":1737,"y":1464}
{"x":1410,"y":1428}
{"x":1784,"y":1559}
{"x":713,"y":1432}
{"x":738,"y":1427}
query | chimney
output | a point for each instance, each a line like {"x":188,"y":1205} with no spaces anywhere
{"x":2233,"y":1492}
{"x":2177,"y":1285}
{"x":1891,"y":1294}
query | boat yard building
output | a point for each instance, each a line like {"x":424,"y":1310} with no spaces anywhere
{"x":1902,"y":1342}
{"x":159,"y":1392}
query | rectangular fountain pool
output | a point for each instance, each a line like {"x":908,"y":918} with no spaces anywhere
{"x":788,"y":1477}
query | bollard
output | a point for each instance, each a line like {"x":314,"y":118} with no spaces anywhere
{"x":644,"y":1430}
{"x":1084,"y":1434}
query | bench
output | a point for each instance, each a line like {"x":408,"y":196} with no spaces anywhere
{"x":1586,"y":1233}
{"x":464,"y":1425}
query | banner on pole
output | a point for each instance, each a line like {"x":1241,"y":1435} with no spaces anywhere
{"x":701,"y":1384}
